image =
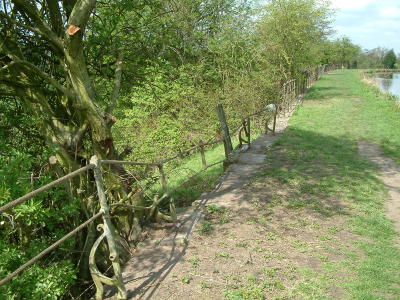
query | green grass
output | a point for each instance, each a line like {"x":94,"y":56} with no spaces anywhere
{"x":318,"y":159}
{"x":177,"y":174}
{"x":377,"y":119}
{"x":178,"y":171}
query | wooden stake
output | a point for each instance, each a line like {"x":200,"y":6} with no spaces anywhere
{"x":224,"y":131}
{"x":248,"y":132}
{"x":203,"y":155}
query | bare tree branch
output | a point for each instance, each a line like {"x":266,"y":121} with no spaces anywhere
{"x":16,"y":84}
{"x":7,"y":93}
{"x":68,"y":5}
{"x":81,"y":12}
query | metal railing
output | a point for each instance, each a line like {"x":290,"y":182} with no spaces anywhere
{"x":107,"y":227}
{"x":289,"y":95}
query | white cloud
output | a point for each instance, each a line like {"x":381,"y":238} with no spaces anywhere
{"x":389,"y":25}
{"x":350,"y":4}
{"x":369,"y":23}
{"x":390,"y":12}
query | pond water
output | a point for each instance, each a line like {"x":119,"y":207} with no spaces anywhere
{"x":389,"y":83}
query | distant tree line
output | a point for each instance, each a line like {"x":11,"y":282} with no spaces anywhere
{"x":345,"y":54}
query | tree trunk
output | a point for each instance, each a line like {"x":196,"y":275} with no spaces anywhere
{"x":56,"y":88}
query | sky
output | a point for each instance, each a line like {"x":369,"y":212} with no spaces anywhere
{"x":369,"y":23}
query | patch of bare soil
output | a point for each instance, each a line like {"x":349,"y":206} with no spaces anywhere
{"x":390,"y":175}
{"x":358,"y":101}
{"x":322,"y":102}
{"x":258,"y":244}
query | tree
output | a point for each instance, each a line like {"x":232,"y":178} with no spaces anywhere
{"x":372,"y":58}
{"x":48,"y":70}
{"x":346,"y":52}
{"x":389,"y":60}
{"x":291,"y":32}
{"x":65,"y":61}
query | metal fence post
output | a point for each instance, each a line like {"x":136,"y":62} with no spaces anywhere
{"x":109,"y":234}
{"x":164,"y":184}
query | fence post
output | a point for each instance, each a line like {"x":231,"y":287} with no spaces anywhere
{"x":164,"y":184}
{"x":203,"y":155}
{"x":294,"y":92}
{"x":248,"y":131}
{"x":284,"y":99}
{"x":109,"y":234}
{"x":224,"y":130}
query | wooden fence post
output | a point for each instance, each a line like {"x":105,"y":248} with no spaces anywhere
{"x":224,"y":130}
{"x":203,"y":155}
{"x":293,"y":96}
{"x":284,"y":97}
{"x":248,"y":131}
{"x":109,"y":234}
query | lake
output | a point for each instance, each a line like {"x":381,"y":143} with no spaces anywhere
{"x":389,"y":83}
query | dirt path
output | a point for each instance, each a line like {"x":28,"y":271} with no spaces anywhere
{"x":390,"y":175}
{"x":165,"y":246}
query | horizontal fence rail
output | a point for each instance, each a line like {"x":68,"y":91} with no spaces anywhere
{"x":290,"y":93}
{"x":49,"y":249}
{"x":44,"y":188}
{"x":107,"y":227}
